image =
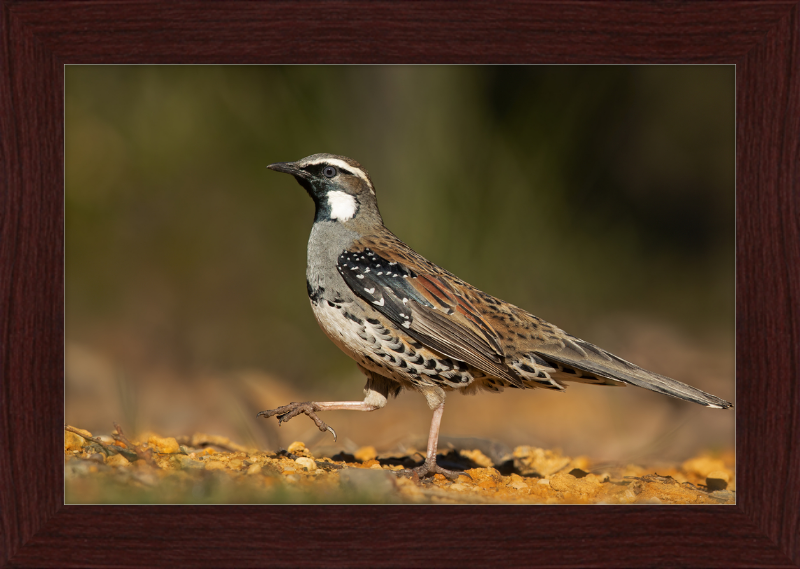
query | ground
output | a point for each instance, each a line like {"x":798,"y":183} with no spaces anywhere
{"x":208,"y":469}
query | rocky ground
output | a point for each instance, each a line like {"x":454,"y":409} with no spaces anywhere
{"x":208,"y":469}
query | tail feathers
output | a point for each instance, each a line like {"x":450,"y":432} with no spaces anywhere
{"x":619,"y":370}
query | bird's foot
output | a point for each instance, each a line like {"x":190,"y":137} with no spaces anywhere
{"x":293,"y":409}
{"x":429,"y":469}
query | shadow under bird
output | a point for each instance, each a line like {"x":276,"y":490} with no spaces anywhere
{"x":410,"y":324}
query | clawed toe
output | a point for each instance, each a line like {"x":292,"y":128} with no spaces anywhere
{"x":291,"y":410}
{"x":427,"y":469}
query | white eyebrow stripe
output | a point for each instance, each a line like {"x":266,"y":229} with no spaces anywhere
{"x":342,"y":164}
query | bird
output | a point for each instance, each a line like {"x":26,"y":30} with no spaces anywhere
{"x":412,"y":325}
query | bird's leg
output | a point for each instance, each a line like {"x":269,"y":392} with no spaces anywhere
{"x":291,"y":410}
{"x":375,"y":396}
{"x":429,"y":467}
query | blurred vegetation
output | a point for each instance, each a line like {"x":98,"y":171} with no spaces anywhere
{"x":574,"y":192}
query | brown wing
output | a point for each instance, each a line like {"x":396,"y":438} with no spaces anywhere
{"x":409,"y":290}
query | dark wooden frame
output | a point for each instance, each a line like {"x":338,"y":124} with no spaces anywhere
{"x":761,"y":37}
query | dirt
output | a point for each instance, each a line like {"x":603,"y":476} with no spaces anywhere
{"x":211,"y":469}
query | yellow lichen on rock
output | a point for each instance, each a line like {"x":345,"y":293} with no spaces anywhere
{"x":477,"y":457}
{"x":539,"y":462}
{"x":299,"y":449}
{"x":365,"y":454}
{"x":534,"y":476}
{"x":73,"y":441}
{"x":117,"y":460}
{"x":164,"y":445}
{"x":306,"y":463}
{"x":585,"y":487}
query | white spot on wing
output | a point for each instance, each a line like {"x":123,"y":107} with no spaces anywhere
{"x":378,"y":302}
{"x":343,"y":205}
{"x":369,"y":290}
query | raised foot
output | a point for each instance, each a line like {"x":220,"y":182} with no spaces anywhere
{"x":427,"y":469}
{"x":293,"y":409}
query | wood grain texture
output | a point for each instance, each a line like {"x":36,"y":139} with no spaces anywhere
{"x":761,"y":38}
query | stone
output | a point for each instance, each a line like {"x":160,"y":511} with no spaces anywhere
{"x":164,"y":445}
{"x":215,"y":465}
{"x":73,"y":441}
{"x":117,"y":460}
{"x":585,"y":486}
{"x":717,"y":480}
{"x":306,"y":463}
{"x":365,"y":454}
{"x":703,"y":465}
{"x":299,"y":449}
{"x":532,"y":460}
{"x":374,"y":483}
{"x":722,"y":495}
{"x":477,"y":457}
{"x":188,"y":463}
{"x":651,"y":500}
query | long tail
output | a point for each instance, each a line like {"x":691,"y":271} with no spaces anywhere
{"x":589,"y":360}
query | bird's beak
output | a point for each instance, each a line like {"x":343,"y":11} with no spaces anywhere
{"x":288,"y":168}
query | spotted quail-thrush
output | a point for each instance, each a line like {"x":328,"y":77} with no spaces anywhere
{"x":411,"y":324}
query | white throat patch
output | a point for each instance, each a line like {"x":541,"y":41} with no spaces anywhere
{"x":343,"y":205}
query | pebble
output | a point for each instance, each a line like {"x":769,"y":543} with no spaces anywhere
{"x":164,"y":445}
{"x":117,"y":460}
{"x":652,"y":500}
{"x":564,"y":482}
{"x":627,"y":496}
{"x":306,"y":463}
{"x":533,"y":460}
{"x":215,"y":465}
{"x":254,"y":469}
{"x":368,"y":481}
{"x":477,"y":457}
{"x":723,"y":495}
{"x":366,"y":453}
{"x":187,"y":462}
{"x":717,"y":480}
{"x":73,"y":441}
{"x":703,"y":465}
{"x":299,"y":449}
{"x":518,"y":485}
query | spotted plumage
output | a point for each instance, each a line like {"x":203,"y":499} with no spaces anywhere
{"x":410,"y":324}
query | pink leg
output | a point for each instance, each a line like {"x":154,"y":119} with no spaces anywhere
{"x":310,"y":407}
{"x":429,"y":467}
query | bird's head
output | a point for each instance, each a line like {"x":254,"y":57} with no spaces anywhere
{"x":340,"y":187}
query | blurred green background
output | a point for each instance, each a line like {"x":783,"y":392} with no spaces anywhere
{"x":600,"y":198}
